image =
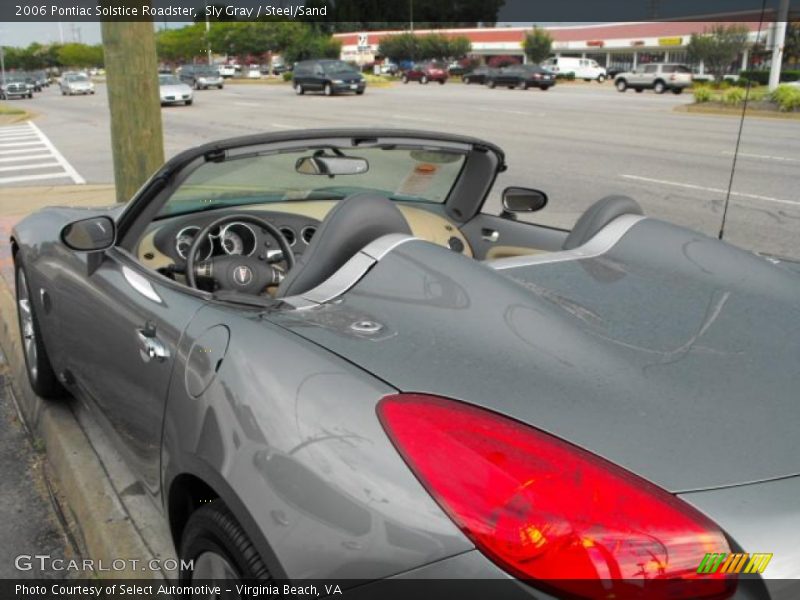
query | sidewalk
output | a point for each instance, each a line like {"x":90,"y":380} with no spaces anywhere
{"x":108,"y":527}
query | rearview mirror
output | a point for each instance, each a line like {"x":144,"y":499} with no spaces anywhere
{"x":522,"y":200}
{"x":331,"y":165}
{"x":90,"y":235}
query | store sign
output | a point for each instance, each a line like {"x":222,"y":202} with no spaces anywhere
{"x":363,"y":41}
{"x":670,"y":41}
{"x":637,"y":43}
{"x":596,"y":43}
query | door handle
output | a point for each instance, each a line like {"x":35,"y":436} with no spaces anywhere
{"x":150,"y":347}
{"x":490,"y":235}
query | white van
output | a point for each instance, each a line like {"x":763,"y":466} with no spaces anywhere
{"x":584,"y":68}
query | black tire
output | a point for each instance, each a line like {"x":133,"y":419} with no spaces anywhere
{"x":298,"y":89}
{"x":659,"y":87}
{"x":41,"y":376}
{"x":220,"y":86}
{"x":213,"y":531}
{"x":677,"y":91}
{"x":189,"y":102}
{"x":491,"y":84}
{"x":424,"y":80}
{"x":639,"y":90}
{"x":621,"y":85}
{"x":601,"y":78}
{"x":544,"y":88}
{"x":404,"y":79}
{"x":524,"y":85}
{"x":360,"y":92}
{"x":467,"y":80}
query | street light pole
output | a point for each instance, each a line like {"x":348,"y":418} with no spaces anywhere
{"x":779,"y":39}
{"x":208,"y":29}
{"x":411,"y":14}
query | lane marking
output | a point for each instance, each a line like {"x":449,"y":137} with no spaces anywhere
{"x":30,"y":167}
{"x":764,"y":156}
{"x":34,"y":177}
{"x":24,"y":157}
{"x":18,"y":144}
{"x":21,"y":151}
{"x":702,"y":188}
{"x":70,"y":170}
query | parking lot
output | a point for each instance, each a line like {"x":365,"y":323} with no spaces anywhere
{"x":577,"y":142}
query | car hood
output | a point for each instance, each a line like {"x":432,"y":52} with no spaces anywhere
{"x":168,"y":90}
{"x":673,"y":355}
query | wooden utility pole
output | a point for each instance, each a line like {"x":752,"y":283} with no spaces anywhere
{"x":137,"y":140}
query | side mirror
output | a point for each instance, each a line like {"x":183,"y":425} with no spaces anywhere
{"x":90,"y":235}
{"x":331,"y":165}
{"x":522,"y":200}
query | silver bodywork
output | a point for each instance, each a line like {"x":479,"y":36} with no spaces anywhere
{"x":668,"y":353}
{"x":175,"y":93}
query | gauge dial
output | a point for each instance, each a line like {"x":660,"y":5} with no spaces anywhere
{"x":232,"y":242}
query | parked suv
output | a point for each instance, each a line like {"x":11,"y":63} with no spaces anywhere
{"x":659,"y":77}
{"x":327,"y":76}
{"x":201,"y":77}
{"x":425,"y":72}
{"x":523,"y":76}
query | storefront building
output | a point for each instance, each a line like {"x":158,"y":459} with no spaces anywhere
{"x":613,"y":45}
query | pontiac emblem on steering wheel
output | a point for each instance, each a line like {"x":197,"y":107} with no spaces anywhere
{"x":243,"y":275}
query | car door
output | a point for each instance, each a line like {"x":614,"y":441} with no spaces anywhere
{"x":318,"y":78}
{"x":121,"y":326}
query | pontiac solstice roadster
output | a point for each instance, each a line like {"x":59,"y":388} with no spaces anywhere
{"x":324,"y":360}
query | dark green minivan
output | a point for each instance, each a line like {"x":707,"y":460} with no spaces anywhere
{"x":327,"y":76}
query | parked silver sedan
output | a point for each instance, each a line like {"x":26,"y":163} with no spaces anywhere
{"x":76,"y":83}
{"x":173,"y":91}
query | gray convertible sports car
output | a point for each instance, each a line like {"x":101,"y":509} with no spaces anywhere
{"x":326,"y":362}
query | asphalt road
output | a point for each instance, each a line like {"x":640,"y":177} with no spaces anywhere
{"x":28,"y":525}
{"x":576,"y":142}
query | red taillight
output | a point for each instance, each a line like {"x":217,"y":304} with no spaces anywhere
{"x":546,"y":510}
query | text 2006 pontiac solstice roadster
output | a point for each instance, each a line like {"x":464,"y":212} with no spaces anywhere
{"x":324,"y":361}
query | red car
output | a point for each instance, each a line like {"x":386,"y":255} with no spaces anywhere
{"x":425,"y":72}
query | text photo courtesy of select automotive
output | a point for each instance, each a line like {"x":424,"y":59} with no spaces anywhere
{"x":428,"y":299}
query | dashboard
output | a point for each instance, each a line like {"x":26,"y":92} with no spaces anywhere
{"x":167,"y":241}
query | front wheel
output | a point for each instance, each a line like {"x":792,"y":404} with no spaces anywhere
{"x":601,"y":78}
{"x":659,"y":87}
{"x":298,"y":89}
{"x":621,"y":85}
{"x":424,"y":80}
{"x":328,"y":90}
{"x":41,"y":376}
{"x":219,"y":548}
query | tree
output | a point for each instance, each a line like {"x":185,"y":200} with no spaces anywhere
{"x":407,"y":46}
{"x":400,"y":47}
{"x":718,"y":48}
{"x":311,"y":44}
{"x":181,"y":45}
{"x":791,"y":47}
{"x":537,"y":45}
{"x":80,"y":55}
{"x":256,"y":38}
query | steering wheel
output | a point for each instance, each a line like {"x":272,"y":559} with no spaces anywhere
{"x":246,"y":274}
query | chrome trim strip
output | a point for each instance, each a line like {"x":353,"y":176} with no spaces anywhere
{"x":603,"y":241}
{"x":303,"y":233}
{"x":141,"y":284}
{"x":350,"y":273}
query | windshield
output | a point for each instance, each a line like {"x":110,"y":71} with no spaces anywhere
{"x":77,"y":78}
{"x":403,"y":174}
{"x":338,"y":67}
{"x":168,"y":80}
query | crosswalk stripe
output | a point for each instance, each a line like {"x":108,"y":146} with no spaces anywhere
{"x":59,"y":175}
{"x":30,"y":167}
{"x":24,"y":157}
{"x":17,"y":144}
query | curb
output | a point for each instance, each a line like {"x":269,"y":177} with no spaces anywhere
{"x":105,"y":528}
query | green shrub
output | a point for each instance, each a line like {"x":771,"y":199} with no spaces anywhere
{"x":787,"y":97}
{"x":762,"y":77}
{"x":287,"y":75}
{"x":702,"y":93}
{"x":733,"y":96}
